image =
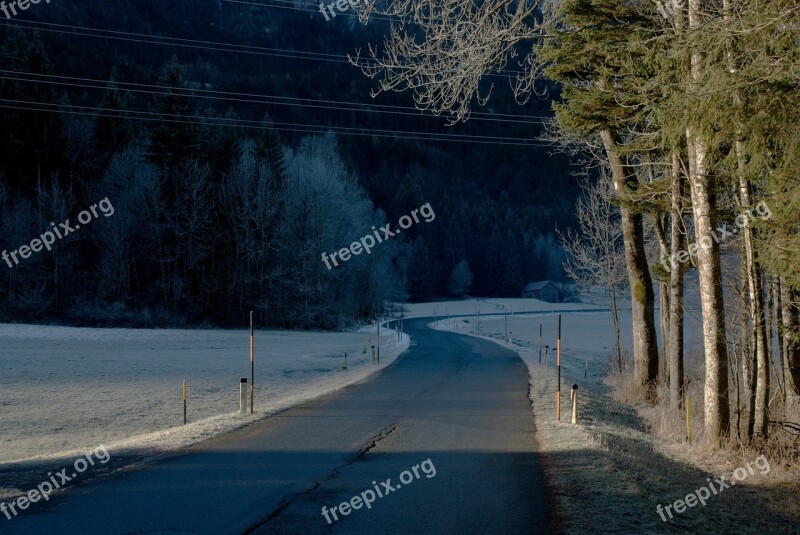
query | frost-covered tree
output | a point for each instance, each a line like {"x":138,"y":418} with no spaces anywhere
{"x":460,"y":279}
{"x":596,"y":252}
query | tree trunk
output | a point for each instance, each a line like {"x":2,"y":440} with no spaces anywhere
{"x":717,"y":409}
{"x":645,"y":346}
{"x":663,"y":300}
{"x":791,"y":350}
{"x":748,"y":352}
{"x":776,"y":299}
{"x":757,"y":318}
{"x":674,"y":349}
{"x":617,"y":344}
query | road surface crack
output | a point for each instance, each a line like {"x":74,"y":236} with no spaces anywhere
{"x":286,"y":501}
{"x":371,"y":443}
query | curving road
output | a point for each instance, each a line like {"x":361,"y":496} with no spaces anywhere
{"x":446,"y":434}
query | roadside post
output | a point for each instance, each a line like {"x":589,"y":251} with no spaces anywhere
{"x":688,"y":421}
{"x":540,"y":343}
{"x":184,"y":403}
{"x":243,"y":396}
{"x":252,"y":367}
{"x":558,"y":359}
{"x":574,"y":404}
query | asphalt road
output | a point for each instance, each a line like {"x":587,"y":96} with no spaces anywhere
{"x":442,"y":441}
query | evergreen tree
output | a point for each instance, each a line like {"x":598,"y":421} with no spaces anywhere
{"x":175,"y":136}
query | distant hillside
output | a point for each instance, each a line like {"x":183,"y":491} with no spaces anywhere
{"x":243,"y":65}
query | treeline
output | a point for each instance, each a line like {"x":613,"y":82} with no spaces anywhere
{"x":207,"y":224}
{"x":696,"y":117}
{"x":217,"y":209}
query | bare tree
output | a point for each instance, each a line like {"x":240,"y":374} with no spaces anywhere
{"x":596,"y":253}
{"x":249,"y":206}
{"x":442,"y":49}
{"x":327,"y":210}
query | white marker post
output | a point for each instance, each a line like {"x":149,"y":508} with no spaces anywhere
{"x":243,"y":396}
{"x":558,"y":353}
{"x":574,"y":404}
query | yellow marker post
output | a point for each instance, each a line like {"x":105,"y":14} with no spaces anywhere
{"x":688,"y":421}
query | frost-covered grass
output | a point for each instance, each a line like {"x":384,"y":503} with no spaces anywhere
{"x":64,"y":390}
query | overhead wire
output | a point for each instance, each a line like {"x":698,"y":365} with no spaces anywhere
{"x":213,"y":45}
{"x":85,"y":31}
{"x":153,"y":89}
{"x":280,"y":126}
{"x":294,"y":7}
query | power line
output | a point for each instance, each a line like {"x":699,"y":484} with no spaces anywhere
{"x":293,"y":127}
{"x":90,"y":83}
{"x":174,"y":41}
{"x":315,"y":10}
{"x":196,"y":44}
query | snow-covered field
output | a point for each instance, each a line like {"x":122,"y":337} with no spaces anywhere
{"x":64,"y":390}
{"x":492,"y":305}
{"x":585,"y":336}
